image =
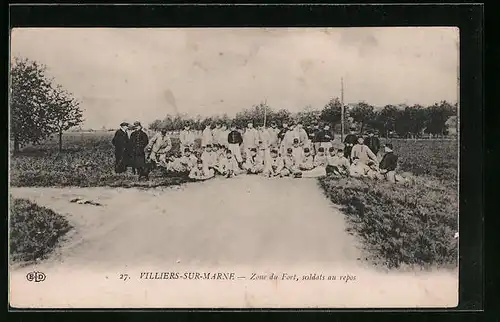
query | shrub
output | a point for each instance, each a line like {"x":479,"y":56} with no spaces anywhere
{"x":34,"y":231}
{"x":398,"y":224}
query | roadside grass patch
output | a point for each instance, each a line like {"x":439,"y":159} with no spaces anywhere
{"x":34,"y":231}
{"x":87,"y":160}
{"x":412,"y":225}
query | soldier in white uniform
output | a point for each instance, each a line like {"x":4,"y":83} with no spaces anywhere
{"x":158,"y":147}
{"x":250,"y":139}
{"x":206,"y":136}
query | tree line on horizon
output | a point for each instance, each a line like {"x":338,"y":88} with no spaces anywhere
{"x":40,"y":108}
{"x":401,"y":119}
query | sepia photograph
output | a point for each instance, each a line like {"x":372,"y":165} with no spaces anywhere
{"x":234,"y":167}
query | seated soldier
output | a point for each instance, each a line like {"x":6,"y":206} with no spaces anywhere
{"x":174,"y":163}
{"x":307,"y":162}
{"x":254,"y":163}
{"x":263,"y":153}
{"x":276,"y":166}
{"x":228,"y":166}
{"x":208,"y":157}
{"x":374,"y":172}
{"x":358,"y":169}
{"x":320,"y":159}
{"x":220,"y":152}
{"x":291,"y":166}
{"x":338,"y":164}
{"x":389,"y":163}
{"x":200,"y":172}
{"x":309,"y":170}
{"x":188,"y":160}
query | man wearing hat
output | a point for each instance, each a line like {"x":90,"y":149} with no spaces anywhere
{"x":373,"y":142}
{"x":139,"y":141}
{"x":235,"y":140}
{"x":324,"y":138}
{"x":389,"y":163}
{"x":159,"y":146}
{"x":121,"y":142}
{"x":349,"y":141}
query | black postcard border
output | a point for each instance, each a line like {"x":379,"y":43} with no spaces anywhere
{"x":468,"y":18}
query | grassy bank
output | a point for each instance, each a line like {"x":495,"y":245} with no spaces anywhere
{"x":86,"y":161}
{"x":410,"y":224}
{"x":34,"y":231}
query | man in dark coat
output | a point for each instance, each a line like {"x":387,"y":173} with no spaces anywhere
{"x":373,"y":142}
{"x":138,"y":141}
{"x":121,"y":143}
{"x":324,"y":138}
{"x":235,"y":140}
{"x":349,"y":141}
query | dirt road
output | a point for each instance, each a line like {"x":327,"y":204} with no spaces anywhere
{"x":251,"y":220}
{"x":245,"y":224}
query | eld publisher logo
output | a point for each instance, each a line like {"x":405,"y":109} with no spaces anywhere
{"x":35,"y":277}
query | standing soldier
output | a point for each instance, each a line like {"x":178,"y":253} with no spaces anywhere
{"x":223,"y":135}
{"x":216,"y":133}
{"x":206,"y":136}
{"x":302,"y":135}
{"x":349,"y":141}
{"x":159,"y":146}
{"x":138,"y":141}
{"x":273,"y":135}
{"x":121,"y":142}
{"x":264,"y":137}
{"x":187,"y":138}
{"x":288,"y":138}
{"x":324,"y":138}
{"x":234,"y":140}
{"x":250,"y":138}
{"x":373,"y":142}
{"x":282,"y":133}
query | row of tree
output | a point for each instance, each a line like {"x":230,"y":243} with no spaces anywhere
{"x":38,"y":106}
{"x":401,"y":119}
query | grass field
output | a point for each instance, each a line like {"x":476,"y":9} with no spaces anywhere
{"x":406,"y":225}
{"x":34,"y":231}
{"x":87,"y":160}
{"x":399,"y":225}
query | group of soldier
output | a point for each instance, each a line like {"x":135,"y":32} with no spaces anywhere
{"x":290,"y":150}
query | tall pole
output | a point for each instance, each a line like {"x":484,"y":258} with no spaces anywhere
{"x":265,"y":112}
{"x":342,"y":109}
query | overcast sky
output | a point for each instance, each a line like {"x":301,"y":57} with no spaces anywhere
{"x":144,"y":74}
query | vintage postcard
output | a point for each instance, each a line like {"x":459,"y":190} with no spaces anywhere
{"x":234,"y":167}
